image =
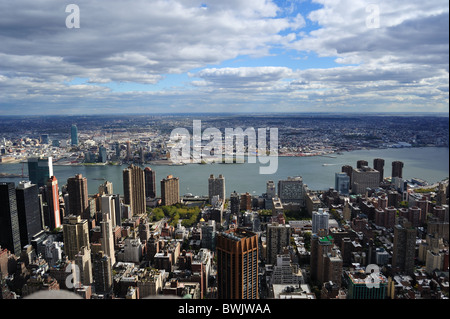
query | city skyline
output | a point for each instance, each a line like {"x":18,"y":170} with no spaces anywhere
{"x":208,"y":56}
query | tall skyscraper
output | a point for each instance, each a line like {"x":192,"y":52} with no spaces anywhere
{"x":102,"y":273}
{"x":342,"y":183}
{"x":107,"y":227}
{"x":150,"y":183}
{"x":76,"y":235}
{"x":237,"y":264}
{"x":84,"y":263}
{"x":349,"y":171}
{"x":134,"y":189}
{"x":326,"y":260}
{"x":74,"y":135}
{"x":9,"y":220}
{"x":78,"y":196}
{"x":235,"y":203}
{"x":403,"y":252}
{"x":320,"y":221}
{"x":29,"y":213}
{"x":378,"y":164}
{"x":40,"y":170}
{"x":361,"y":163}
{"x":397,"y":169}
{"x":277,"y":238}
{"x":53,"y":218}
{"x":216,"y":186}
{"x":170,"y":191}
{"x":106,"y":188}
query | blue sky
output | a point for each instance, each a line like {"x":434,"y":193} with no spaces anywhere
{"x":238,"y":56}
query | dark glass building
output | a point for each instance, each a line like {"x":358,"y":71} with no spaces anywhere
{"x":9,"y":220}
{"x":30,"y":221}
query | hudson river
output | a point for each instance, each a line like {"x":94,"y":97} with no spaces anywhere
{"x":429,"y":164}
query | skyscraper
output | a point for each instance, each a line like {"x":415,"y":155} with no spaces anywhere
{"x":270,"y":189}
{"x":378,"y":164}
{"x":170,"y":191}
{"x":78,"y":196}
{"x":76,"y":235}
{"x":320,"y":221}
{"x":53,"y":218}
{"x":342,"y":183}
{"x":107,"y":227}
{"x":397,"y":169}
{"x":40,"y":170}
{"x":150,"y":183}
{"x":237,"y":264}
{"x":9,"y":220}
{"x":28,"y":209}
{"x":74,"y":135}
{"x":363,"y":178}
{"x":349,"y":171}
{"x":102,"y":273}
{"x":216,"y":186}
{"x":277,"y":238}
{"x":403,"y":252}
{"x":134,"y":189}
{"x":361,"y":163}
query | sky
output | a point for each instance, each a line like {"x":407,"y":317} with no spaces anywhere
{"x":183,"y":56}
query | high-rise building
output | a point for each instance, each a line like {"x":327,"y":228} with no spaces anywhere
{"x":397,"y":169}
{"x":246,"y":202}
{"x":277,"y":238}
{"x":361,"y":163}
{"x":102,"y":154}
{"x":106,"y":188}
{"x":326,"y":260}
{"x":78,"y":196}
{"x":150,"y":183}
{"x":290,"y":190}
{"x":84,"y":263}
{"x":342,"y":183}
{"x":107,"y":227}
{"x":75,"y":235}
{"x":378,"y":164}
{"x":102,"y":273}
{"x":9,"y":220}
{"x":403,"y":252}
{"x":270,"y":190}
{"x":53,"y":218}
{"x":237,"y":264}
{"x":349,"y":171}
{"x":320,"y":221}
{"x":216,"y":186}
{"x":134,"y":189}
{"x":360,"y":286}
{"x":363,"y":178}
{"x":28,"y":210}
{"x":170,"y":191}
{"x":74,"y":135}
{"x":235,"y":203}
{"x":40,"y":170}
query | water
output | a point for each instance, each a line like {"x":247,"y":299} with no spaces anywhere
{"x":429,"y":164}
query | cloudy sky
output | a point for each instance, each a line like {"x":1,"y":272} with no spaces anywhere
{"x":145,"y":56}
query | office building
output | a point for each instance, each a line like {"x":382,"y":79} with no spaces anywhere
{"x":107,"y":233}
{"x":84,"y":264}
{"x":9,"y":220}
{"x":53,"y":217}
{"x":403,"y":252}
{"x":378,"y":164}
{"x":320,"y":221}
{"x":270,"y":190}
{"x":291,"y":190}
{"x":277,"y":238}
{"x":349,"y":171}
{"x":170,"y":191}
{"x":134,"y":189}
{"x":40,"y":170}
{"x":235,"y":203}
{"x":28,"y":210}
{"x":397,"y":169}
{"x":102,"y":154}
{"x":150,"y":183}
{"x":102,"y":273}
{"x":216,"y":186}
{"x":342,"y":183}
{"x":364,"y":178}
{"x":77,"y":189}
{"x":361,"y":163}
{"x":75,"y":234}
{"x":237,"y":264}
{"x":74,"y":135}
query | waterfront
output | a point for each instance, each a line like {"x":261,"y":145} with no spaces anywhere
{"x":429,"y":164}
